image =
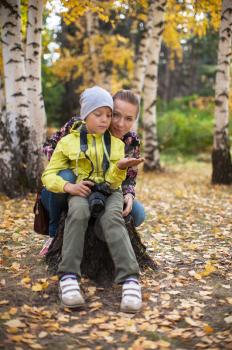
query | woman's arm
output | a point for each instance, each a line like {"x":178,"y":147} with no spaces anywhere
{"x":132,"y":149}
{"x":50,"y":144}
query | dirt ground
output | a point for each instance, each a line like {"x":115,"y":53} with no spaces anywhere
{"x":187,"y":301}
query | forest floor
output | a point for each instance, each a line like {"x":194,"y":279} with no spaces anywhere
{"x":187,"y":301}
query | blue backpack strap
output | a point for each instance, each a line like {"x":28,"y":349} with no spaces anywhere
{"x":107,"y":148}
{"x":84,"y":145}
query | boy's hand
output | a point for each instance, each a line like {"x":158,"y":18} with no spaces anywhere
{"x":129,"y":162}
{"x":81,"y":189}
{"x":128,"y":202}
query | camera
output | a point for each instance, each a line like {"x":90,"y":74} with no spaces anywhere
{"x":97,"y":199}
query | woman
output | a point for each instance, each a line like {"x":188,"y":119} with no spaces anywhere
{"x":126,"y":111}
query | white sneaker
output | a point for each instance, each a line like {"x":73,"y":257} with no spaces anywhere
{"x":69,"y":293}
{"x":131,"y":296}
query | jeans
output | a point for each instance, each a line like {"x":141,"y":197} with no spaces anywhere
{"x":55,"y":203}
{"x":138,"y":213}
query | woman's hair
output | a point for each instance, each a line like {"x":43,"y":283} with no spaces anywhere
{"x":128,"y":96}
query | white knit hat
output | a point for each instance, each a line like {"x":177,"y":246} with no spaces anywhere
{"x":94,"y":98}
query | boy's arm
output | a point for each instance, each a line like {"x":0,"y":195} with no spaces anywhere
{"x":50,"y":144}
{"x":59,"y":161}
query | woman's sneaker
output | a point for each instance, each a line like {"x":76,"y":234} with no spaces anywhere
{"x":131,"y":296}
{"x":46,"y":246}
{"x":69,"y":291}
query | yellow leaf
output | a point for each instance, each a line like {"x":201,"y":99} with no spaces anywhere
{"x":4,"y":302}
{"x":37,"y":287}
{"x":97,"y":320}
{"x":197,"y":276}
{"x":26,"y":280}
{"x":96,"y":304}
{"x":12,"y":330}
{"x":54,"y":278}
{"x":208,"y":329}
{"x":16,"y":338}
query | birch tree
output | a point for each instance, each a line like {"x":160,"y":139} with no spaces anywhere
{"x":151,"y":150}
{"x":34,"y":90}
{"x":14,"y":152}
{"x":5,"y":153}
{"x":141,"y":57}
{"x":24,"y":120}
{"x":221,"y":158}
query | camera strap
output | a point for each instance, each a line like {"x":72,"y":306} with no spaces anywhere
{"x":106,"y":140}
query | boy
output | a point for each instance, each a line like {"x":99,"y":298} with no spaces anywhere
{"x":97,"y":159}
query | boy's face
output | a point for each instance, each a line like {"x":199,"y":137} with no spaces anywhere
{"x":99,"y":120}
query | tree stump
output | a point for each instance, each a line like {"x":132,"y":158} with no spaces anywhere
{"x":97,"y":263}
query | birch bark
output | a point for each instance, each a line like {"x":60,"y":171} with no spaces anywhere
{"x":34,"y":90}
{"x":221,"y":158}
{"x":17,"y":118}
{"x":141,"y":57}
{"x":5,"y":153}
{"x":151,"y":150}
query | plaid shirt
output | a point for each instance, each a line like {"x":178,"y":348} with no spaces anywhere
{"x":132,"y":149}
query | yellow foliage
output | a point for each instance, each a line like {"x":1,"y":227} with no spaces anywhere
{"x":187,"y":19}
{"x":77,"y":8}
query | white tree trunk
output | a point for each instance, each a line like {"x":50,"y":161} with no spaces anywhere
{"x":2,"y":97}
{"x":222,"y":168}
{"x":92,"y":29}
{"x":16,"y":95}
{"x":34,"y":87}
{"x":141,"y":57}
{"x":151,"y":150}
{"x":5,"y":152}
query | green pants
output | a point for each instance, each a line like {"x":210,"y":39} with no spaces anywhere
{"x":114,"y":233}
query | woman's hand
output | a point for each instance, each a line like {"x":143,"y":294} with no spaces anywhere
{"x":129,"y":162}
{"x":128,"y":203}
{"x":81,"y":189}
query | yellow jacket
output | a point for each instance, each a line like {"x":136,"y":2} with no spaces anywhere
{"x":67,"y":155}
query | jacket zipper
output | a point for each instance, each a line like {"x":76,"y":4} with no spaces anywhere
{"x":94,"y":142}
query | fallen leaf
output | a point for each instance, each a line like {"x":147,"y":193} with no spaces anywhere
{"x":77,"y":328}
{"x":15,"y":266}
{"x":192,"y":322}
{"x":42,"y":334}
{"x":15,"y":323}
{"x":37,"y":287}
{"x":208,"y":329}
{"x":228,"y":319}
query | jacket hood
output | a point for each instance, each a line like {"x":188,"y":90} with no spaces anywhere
{"x":76,"y":126}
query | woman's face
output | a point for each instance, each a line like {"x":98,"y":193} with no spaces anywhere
{"x":124,"y":116}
